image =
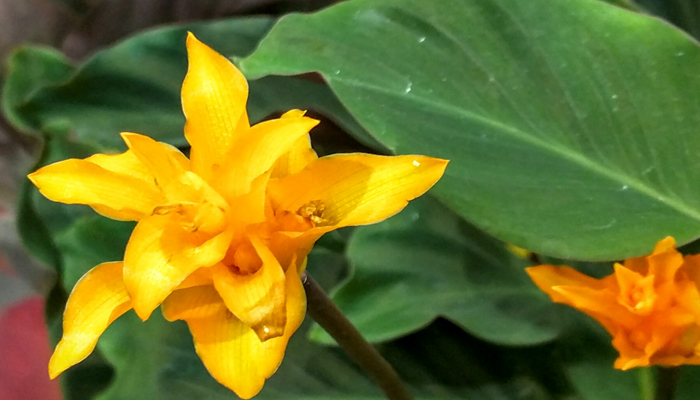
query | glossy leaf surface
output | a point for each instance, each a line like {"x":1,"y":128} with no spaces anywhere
{"x":424,"y":263}
{"x":573,"y":135}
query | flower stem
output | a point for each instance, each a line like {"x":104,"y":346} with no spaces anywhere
{"x":646,"y":383}
{"x":666,"y":379}
{"x":328,"y":315}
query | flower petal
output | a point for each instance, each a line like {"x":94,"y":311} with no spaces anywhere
{"x":289,"y":247}
{"x":258,"y":151}
{"x":300,"y":154}
{"x":601,"y":305}
{"x":257,"y":299}
{"x":356,"y":189}
{"x":232,"y":352}
{"x":548,"y":276}
{"x":97,"y":299}
{"x":165,"y":162}
{"x":161,"y":254}
{"x":116,"y":186}
{"x":193,"y":302}
{"x":214,"y":96}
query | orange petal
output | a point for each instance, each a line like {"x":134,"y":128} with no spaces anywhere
{"x":602,"y":305}
{"x":97,"y":299}
{"x":664,"y":245}
{"x":232,"y":352}
{"x":256,"y":153}
{"x":665,"y":261}
{"x":548,"y":276}
{"x":356,"y":189}
{"x":257,"y":299}
{"x":117,"y":186}
{"x":214,"y":96}
{"x":691,"y":265}
{"x":636,"y":291}
{"x":161,"y":254}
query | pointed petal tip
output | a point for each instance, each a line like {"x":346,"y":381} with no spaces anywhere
{"x":294,"y":114}
{"x":665,"y":244}
{"x":54,"y":368}
{"x":143,"y":309}
{"x":191,"y":39}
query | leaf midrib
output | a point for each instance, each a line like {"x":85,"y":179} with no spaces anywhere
{"x":514,"y":132}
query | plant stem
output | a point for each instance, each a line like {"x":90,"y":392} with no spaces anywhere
{"x":666,"y":380}
{"x":328,"y":315}
{"x":646,"y":383}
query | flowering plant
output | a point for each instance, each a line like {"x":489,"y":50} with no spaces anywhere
{"x":313,"y":253}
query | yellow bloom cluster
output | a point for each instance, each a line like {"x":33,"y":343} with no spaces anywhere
{"x":650,"y":305}
{"x":222,"y":236}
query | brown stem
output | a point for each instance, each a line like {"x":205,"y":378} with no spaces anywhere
{"x":328,"y":315}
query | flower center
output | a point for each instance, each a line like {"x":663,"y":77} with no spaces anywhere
{"x":640,"y":296}
{"x":313,"y":211}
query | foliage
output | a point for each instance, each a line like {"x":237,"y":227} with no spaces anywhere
{"x":571,"y":130}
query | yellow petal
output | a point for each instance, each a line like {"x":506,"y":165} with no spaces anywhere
{"x":258,"y":151}
{"x":116,"y":186}
{"x":164,"y":161}
{"x":356,"y":189}
{"x":290,"y":246}
{"x":300,"y":154}
{"x":257,"y":299}
{"x":200,"y":277}
{"x":97,"y":299}
{"x":214,"y":96}
{"x":232,"y":352}
{"x":250,"y":207}
{"x":161,"y":254}
{"x":192,"y":303}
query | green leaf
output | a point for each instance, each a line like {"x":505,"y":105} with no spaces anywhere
{"x":39,"y":219}
{"x":135,"y":86}
{"x":89,"y":241}
{"x":437,"y":363}
{"x":424,"y":263}
{"x":565,"y":135}
{"x":29,"y":69}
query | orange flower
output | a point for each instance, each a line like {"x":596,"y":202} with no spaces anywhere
{"x":650,"y":305}
{"x":222,"y":237}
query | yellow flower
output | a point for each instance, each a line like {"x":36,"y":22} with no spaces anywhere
{"x":222,"y":237}
{"x":650,"y":305}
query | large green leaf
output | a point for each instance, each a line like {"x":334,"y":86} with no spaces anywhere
{"x":571,"y":125}
{"x":31,"y":69}
{"x":424,"y":263}
{"x":135,"y":86}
